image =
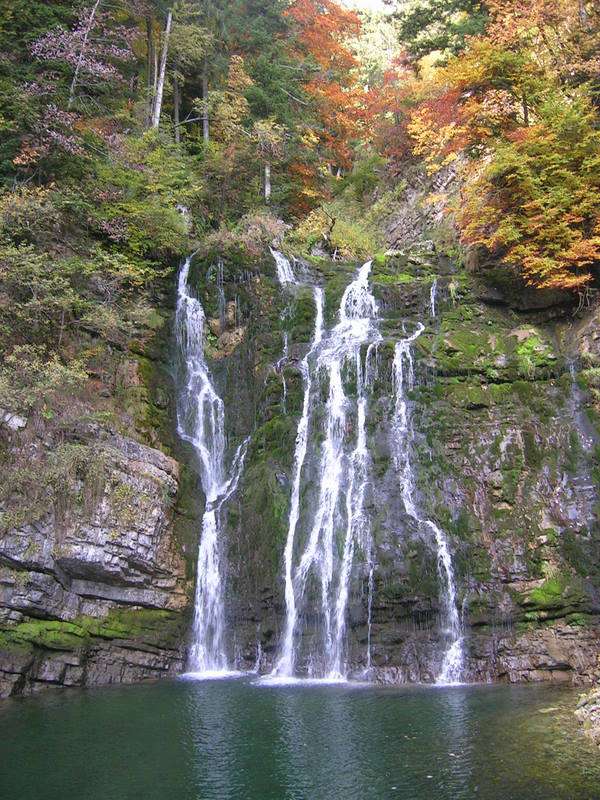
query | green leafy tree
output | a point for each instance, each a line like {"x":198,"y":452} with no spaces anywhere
{"x":440,"y":25}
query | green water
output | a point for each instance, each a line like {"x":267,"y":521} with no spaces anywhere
{"x":234,"y":740}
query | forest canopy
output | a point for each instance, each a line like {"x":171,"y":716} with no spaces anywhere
{"x":114,"y":114}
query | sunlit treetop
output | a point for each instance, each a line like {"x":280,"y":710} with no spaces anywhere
{"x":428,"y":26}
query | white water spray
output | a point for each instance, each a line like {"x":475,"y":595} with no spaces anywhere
{"x":280,"y":368}
{"x":403,"y":371}
{"x":201,"y":422}
{"x":452,"y":665}
{"x":285,"y":273}
{"x":343,"y":477}
{"x":286,"y":662}
{"x":432,"y":298}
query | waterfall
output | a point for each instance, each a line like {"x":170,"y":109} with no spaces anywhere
{"x":452,"y":665}
{"x":357,"y":526}
{"x":286,"y":662}
{"x":256,"y":667}
{"x":343,"y":477}
{"x":285,"y":273}
{"x":401,"y":439}
{"x":432,"y":298}
{"x":323,"y":539}
{"x":370,"y":591}
{"x":201,"y":422}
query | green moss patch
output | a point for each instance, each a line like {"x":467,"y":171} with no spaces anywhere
{"x":559,"y":596}
{"x":149,"y":625}
{"x":471,"y":342}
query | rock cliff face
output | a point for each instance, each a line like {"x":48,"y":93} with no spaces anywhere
{"x":588,"y":710}
{"x":93,"y":584}
{"x":97,"y":569}
{"x":506,"y":458}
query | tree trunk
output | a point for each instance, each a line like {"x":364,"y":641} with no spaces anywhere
{"x":267,"y":182}
{"x":161,"y":75}
{"x":205,"y":125}
{"x":583,"y":14}
{"x":84,"y":43}
{"x":176,"y":102}
{"x":155,"y":73}
{"x":150,"y":71}
{"x":525,"y":112}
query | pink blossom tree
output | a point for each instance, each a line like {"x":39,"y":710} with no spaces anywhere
{"x":92,"y":49}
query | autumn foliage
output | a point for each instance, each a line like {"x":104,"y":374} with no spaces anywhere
{"x":515,"y":115}
{"x":323,"y":29}
{"x":389,"y":105}
{"x":287,"y":103}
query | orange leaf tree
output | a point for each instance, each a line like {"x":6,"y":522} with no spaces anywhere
{"x":516,"y":110}
{"x":323,"y":29}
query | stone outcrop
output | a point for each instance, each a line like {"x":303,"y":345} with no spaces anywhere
{"x":92,"y":580}
{"x":588,"y":713}
{"x":588,"y":710}
{"x":419,"y":206}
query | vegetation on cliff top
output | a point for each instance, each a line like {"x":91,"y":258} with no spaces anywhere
{"x":515,"y":110}
{"x":118,"y":117}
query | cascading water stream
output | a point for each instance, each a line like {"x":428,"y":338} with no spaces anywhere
{"x":286,"y":662}
{"x":452,"y":665}
{"x":201,"y":422}
{"x":403,"y":371}
{"x":357,"y":526}
{"x":280,"y":365}
{"x":343,"y":477}
{"x":323,"y":538}
{"x":285,"y":273}
{"x":432,"y":298}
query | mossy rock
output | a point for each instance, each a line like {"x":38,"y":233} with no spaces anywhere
{"x":470,"y":396}
{"x":152,"y":626}
{"x":49,"y":634}
{"x":557,"y":596}
{"x":476,"y":341}
{"x":264,"y":509}
{"x":274,"y":441}
{"x":336,"y":277}
{"x":300,"y":321}
{"x":394,"y":280}
{"x":581,"y":550}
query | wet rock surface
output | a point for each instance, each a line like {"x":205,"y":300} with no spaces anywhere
{"x":588,"y":713}
{"x":504,"y":444}
{"x":588,"y":709}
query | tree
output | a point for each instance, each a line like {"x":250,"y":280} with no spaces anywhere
{"x":190,"y":42}
{"x":389,"y":105}
{"x":322,"y":28}
{"x":515,"y":113}
{"x":268,"y":136}
{"x":229,"y":107}
{"x":481,"y":94}
{"x":92,"y":49}
{"x":537,"y":202}
{"x":427,"y":26}
{"x":160,"y":84}
{"x":562,"y":36}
